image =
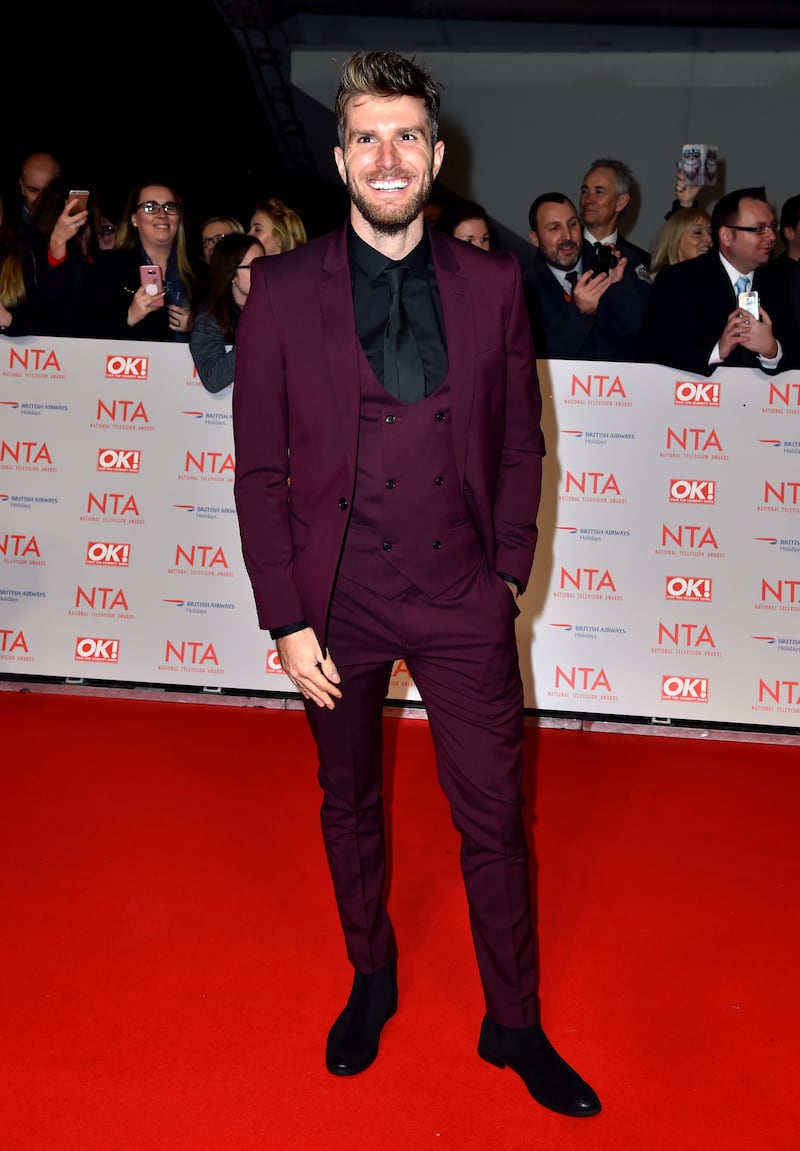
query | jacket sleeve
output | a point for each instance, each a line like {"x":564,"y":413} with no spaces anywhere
{"x":519,"y":485}
{"x":261,"y":439}
{"x":214,"y":359}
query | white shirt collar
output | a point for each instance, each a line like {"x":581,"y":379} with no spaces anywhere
{"x":561,"y":275}
{"x":611,"y":238}
{"x":734,"y":273}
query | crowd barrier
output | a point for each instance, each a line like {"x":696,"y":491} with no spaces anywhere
{"x":666,"y":582}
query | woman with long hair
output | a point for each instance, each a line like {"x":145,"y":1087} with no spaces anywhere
{"x":278,"y":228}
{"x":686,"y":234}
{"x":13,"y":289}
{"x":152,"y":234}
{"x":213,"y":337}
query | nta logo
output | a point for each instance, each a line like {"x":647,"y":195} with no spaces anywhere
{"x":35,"y":359}
{"x":126,"y":367}
{"x":273,"y":665}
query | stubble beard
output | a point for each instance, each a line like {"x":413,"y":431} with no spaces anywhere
{"x":390,"y":219}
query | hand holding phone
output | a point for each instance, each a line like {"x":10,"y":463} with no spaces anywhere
{"x":748,"y":302}
{"x":82,"y":196}
{"x":152,"y":281}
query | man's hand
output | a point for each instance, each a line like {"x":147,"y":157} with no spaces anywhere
{"x":588,"y":290}
{"x":756,"y":335}
{"x":616,"y":274}
{"x":313,"y":674}
{"x":512,"y":587}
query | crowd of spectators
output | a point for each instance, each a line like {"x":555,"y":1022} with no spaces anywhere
{"x":711,"y":293}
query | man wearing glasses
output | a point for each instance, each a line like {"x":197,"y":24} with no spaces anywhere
{"x":698,"y":318}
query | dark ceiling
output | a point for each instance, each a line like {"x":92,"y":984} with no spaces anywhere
{"x":665,"y":13}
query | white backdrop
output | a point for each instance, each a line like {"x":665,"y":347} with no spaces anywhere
{"x":666,"y":583}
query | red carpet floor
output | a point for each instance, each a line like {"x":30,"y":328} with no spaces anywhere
{"x":171,"y":959}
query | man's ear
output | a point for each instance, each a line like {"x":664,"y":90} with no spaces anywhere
{"x":623,"y":199}
{"x":438,"y":157}
{"x":534,"y":239}
{"x":338,"y":156}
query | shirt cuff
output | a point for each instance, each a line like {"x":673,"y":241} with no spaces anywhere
{"x":510,"y":579}
{"x":287,"y":629}
{"x":772,"y":361}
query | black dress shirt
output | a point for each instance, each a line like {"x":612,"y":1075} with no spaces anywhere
{"x":421,"y":300}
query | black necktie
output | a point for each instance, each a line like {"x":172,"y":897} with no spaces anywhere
{"x":403,"y":374}
{"x":572,"y":279}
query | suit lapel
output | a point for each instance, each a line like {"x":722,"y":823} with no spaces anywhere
{"x":340,"y":337}
{"x":457,"y":309}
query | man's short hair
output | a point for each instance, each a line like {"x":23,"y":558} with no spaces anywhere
{"x":726,"y":210}
{"x":623,"y":176}
{"x":790,"y":213}
{"x":386,"y":74}
{"x":546,"y":198}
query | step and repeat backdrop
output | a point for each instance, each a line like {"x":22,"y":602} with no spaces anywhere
{"x":666,"y":583}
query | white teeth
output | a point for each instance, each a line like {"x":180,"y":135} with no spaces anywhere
{"x":388,"y":185}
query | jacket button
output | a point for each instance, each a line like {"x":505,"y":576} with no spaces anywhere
{"x":439,"y":481}
{"x":343,"y":504}
{"x":441,"y":417}
{"x":437,"y":544}
{"x":387,"y":547}
{"x":391,"y":419}
{"x":389,"y":484}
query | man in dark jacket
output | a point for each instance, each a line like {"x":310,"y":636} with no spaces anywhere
{"x":694,"y":321}
{"x":577,"y":312}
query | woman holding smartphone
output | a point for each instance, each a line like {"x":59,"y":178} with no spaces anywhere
{"x":142,"y":289}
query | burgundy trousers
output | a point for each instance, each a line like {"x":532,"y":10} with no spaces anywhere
{"x":460,"y":648}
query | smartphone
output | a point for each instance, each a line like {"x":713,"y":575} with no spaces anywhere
{"x":748,"y":302}
{"x":150,"y":277}
{"x":83,"y":200}
{"x":603,"y":259}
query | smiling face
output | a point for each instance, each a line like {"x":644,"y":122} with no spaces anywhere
{"x":387,"y":163}
{"x":601,"y":203}
{"x":558,"y":234}
{"x":157,"y":231}
{"x":747,"y":250}
{"x":696,"y":239}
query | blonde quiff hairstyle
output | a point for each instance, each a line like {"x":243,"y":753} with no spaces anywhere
{"x":386,"y":74}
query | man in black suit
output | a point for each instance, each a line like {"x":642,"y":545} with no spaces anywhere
{"x":693,"y":321}
{"x":576,"y":314}
{"x":782,"y":276}
{"x":605,"y":194}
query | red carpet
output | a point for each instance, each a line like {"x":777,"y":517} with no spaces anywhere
{"x":171,"y":959}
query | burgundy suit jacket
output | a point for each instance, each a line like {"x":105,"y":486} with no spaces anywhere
{"x":296,"y":400}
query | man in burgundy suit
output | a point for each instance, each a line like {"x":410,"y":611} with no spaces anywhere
{"x":388,"y":470}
